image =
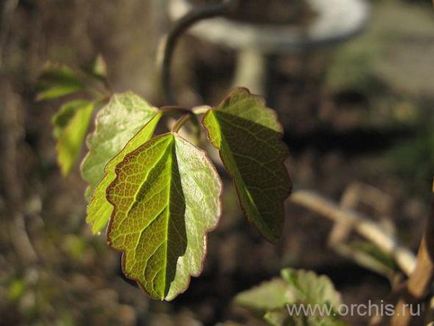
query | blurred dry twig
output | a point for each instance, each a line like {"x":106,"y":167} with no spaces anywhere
{"x":355,"y":194}
{"x":359,"y":223}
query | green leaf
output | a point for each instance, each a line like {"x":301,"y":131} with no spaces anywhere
{"x":314,"y":291}
{"x":99,"y":209}
{"x":374,"y":252}
{"x":310,"y":288}
{"x":247,"y":134}
{"x":278,"y":317}
{"x":274,"y":299}
{"x":99,"y":67}
{"x":166,"y":198}
{"x":70,"y":127}
{"x":17,"y":288}
{"x":57,"y":81}
{"x":116,"y":124}
{"x":266,"y":296}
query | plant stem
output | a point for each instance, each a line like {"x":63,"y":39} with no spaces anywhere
{"x":180,"y":27}
{"x":181,"y":121}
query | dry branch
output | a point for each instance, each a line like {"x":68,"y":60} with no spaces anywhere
{"x":359,"y":223}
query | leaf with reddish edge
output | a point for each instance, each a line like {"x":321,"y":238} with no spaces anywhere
{"x":165,"y":198}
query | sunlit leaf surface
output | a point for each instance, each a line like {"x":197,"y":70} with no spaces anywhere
{"x":166,"y":198}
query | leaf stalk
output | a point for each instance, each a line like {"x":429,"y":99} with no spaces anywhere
{"x":183,"y":24}
{"x":180,"y":122}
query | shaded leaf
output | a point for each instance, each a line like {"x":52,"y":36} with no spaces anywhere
{"x":374,"y":252}
{"x":70,"y":127}
{"x":247,"y":134}
{"x":99,"y":209}
{"x":116,"y":124}
{"x":166,"y":198}
{"x":57,"y":81}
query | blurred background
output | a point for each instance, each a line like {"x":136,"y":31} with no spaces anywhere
{"x":358,"y":118}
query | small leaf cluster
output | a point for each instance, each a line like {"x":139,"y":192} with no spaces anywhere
{"x":156,"y":193}
{"x":84,"y":91}
{"x":281,"y":301}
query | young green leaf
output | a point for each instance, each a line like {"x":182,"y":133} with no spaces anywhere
{"x":99,"y":67}
{"x":311,"y":288}
{"x":57,"y":81}
{"x":247,"y":134}
{"x":116,"y":124}
{"x":278,"y":301}
{"x":99,"y":209}
{"x":280,"y":317}
{"x":269,"y":295}
{"x":166,"y":198}
{"x":70,"y":127}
